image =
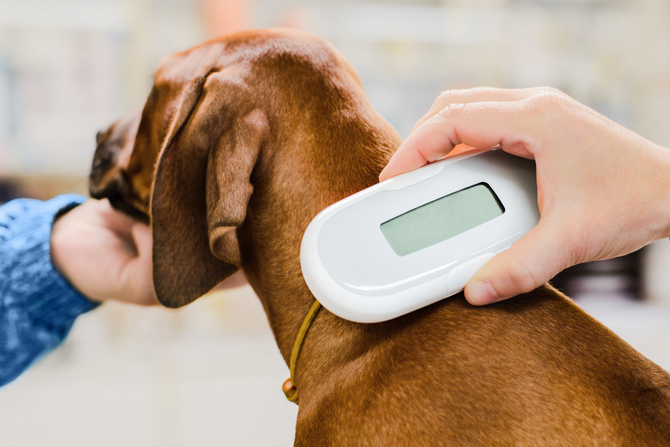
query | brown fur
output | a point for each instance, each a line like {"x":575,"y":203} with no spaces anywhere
{"x":243,"y":140}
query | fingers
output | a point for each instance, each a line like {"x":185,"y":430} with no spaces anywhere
{"x":238,"y":279}
{"x":431,"y":141}
{"x":113,"y":219}
{"x":530,"y":262}
{"x":482,"y":94}
{"x":455,"y":108}
{"x":136,"y":276}
{"x":143,"y":240}
{"x":481,"y":125}
{"x":141,"y":267}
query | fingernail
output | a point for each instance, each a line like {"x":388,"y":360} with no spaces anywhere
{"x":481,"y":293}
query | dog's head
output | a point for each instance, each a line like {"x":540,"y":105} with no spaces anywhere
{"x":277,"y":109}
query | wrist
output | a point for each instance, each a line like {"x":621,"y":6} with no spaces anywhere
{"x":659,"y":182}
{"x":63,"y":249}
{"x":57,"y":248}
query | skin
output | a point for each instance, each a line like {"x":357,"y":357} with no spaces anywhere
{"x":106,"y":255}
{"x":603,"y":191}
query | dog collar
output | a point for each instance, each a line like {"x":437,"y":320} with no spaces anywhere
{"x":289,"y":388}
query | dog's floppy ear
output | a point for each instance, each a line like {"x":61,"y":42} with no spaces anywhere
{"x":202,"y":187}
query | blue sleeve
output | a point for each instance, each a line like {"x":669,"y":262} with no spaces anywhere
{"x":37,"y":305}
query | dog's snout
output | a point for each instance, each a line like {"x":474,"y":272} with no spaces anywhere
{"x":108,"y":177}
{"x":110,"y":144}
{"x":103,"y":161}
{"x":121,"y":197}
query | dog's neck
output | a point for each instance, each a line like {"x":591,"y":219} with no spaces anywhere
{"x":282,"y":206}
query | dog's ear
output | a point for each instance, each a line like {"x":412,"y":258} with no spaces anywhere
{"x":202,"y":187}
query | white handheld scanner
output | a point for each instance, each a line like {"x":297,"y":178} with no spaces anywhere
{"x":419,"y":237}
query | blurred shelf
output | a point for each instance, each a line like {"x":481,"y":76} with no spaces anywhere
{"x":42,"y":187}
{"x":98,"y":16}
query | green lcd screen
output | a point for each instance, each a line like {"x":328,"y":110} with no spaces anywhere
{"x":442,"y":219}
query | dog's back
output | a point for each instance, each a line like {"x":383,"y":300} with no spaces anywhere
{"x":535,"y":370}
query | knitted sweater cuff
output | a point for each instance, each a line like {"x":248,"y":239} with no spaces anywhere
{"x":37,"y":305}
{"x":51,"y":299}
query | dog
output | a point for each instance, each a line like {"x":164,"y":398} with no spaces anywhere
{"x":241,"y":142}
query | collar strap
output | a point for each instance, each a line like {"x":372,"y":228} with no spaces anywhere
{"x":289,"y":387}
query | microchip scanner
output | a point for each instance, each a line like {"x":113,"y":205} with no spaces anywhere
{"x":419,"y":237}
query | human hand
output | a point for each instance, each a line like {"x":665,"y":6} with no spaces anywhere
{"x":603,"y":191}
{"x":237,"y":279}
{"x":104,"y":253}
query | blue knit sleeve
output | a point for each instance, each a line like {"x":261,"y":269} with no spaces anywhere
{"x":37,"y":305}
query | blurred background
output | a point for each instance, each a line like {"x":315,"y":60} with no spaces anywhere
{"x":210,"y":374}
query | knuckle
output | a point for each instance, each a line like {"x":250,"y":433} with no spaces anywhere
{"x":449,"y":118}
{"x":445,"y":113}
{"x":451,"y":112}
{"x":412,"y":147}
{"x":443,"y":99}
{"x":549,"y":91}
{"x":456,"y":95}
{"x":554,"y":94}
{"x":444,"y":95}
{"x":521,"y":282}
{"x":547,"y":100}
{"x":484,"y":91}
{"x":520,"y":277}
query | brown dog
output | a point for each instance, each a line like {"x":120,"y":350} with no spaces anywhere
{"x":242,"y":141}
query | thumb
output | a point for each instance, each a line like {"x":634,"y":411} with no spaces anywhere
{"x":530,"y":262}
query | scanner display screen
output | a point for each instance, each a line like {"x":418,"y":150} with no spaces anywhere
{"x":442,"y":219}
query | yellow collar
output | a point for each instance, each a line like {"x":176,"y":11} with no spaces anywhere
{"x":289,"y":387}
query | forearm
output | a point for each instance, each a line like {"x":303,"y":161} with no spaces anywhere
{"x":37,"y":305}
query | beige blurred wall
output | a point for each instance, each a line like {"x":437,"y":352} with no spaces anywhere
{"x":70,"y":67}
